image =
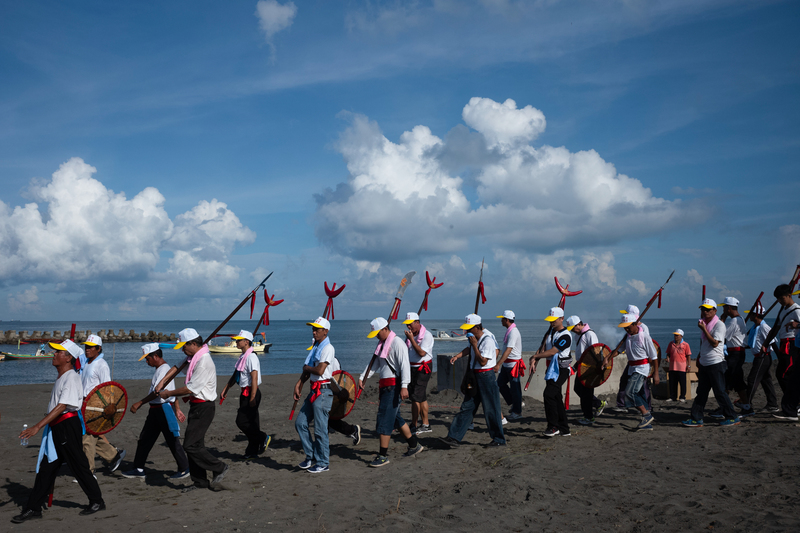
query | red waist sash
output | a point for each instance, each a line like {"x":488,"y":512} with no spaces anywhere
{"x":518,"y":370}
{"x":387,"y":382}
{"x":424,"y":367}
{"x":736,"y":349}
{"x":68,"y":414}
{"x":246,"y":391}
{"x":639,"y":362}
{"x":316,"y":388}
{"x":192,"y":399}
{"x":482,"y":370}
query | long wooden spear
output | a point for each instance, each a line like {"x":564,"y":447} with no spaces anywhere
{"x":776,"y":327}
{"x":175,"y":370}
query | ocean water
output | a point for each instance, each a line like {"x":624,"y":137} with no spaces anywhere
{"x":289,"y":339}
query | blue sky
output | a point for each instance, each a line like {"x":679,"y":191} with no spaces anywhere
{"x":159,"y":158}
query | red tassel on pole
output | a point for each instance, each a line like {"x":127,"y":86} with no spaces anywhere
{"x":483,"y":296}
{"x":252,"y":303}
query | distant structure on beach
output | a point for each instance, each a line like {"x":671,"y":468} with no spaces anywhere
{"x":13,"y":337}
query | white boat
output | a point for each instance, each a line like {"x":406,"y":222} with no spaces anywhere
{"x":230,"y":348}
{"x":441,"y":335}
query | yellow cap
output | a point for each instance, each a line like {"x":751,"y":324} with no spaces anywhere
{"x":56,"y":346}
{"x":373,"y":334}
{"x":407,"y":322}
{"x":625,"y":324}
{"x":179,"y":346}
{"x":569,"y":328}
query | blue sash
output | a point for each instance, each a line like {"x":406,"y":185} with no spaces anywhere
{"x":48,"y":447}
{"x":172,"y":420}
{"x":83,"y":424}
{"x":553,"y":369}
{"x":313,"y":357}
{"x":751,"y":337}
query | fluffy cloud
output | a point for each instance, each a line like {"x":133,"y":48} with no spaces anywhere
{"x":88,"y":234}
{"x":407,"y":199}
{"x":274,"y":17}
{"x":27,"y":300}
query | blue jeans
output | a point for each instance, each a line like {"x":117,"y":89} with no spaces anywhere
{"x":712,"y":377}
{"x":389,"y":417}
{"x":318,"y":411}
{"x":511,"y":394}
{"x":488,"y":394}
{"x":634,"y":391}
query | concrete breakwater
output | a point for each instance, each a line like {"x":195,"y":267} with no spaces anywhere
{"x":13,"y":337}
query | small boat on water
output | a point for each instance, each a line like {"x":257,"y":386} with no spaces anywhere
{"x":441,"y":335}
{"x":40,"y":354}
{"x":230,"y":348}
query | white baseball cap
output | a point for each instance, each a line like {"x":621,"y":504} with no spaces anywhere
{"x":730,"y":300}
{"x":377,"y":325}
{"x":410,"y":317}
{"x":630,"y":310}
{"x":509,"y":314}
{"x":93,"y":340}
{"x":147,"y":349}
{"x":185,"y":336}
{"x":555,"y":314}
{"x":708,"y":303}
{"x":678,"y":332}
{"x":627,"y":320}
{"x":67,"y":346}
{"x":470,"y":321}
{"x":572,"y":321}
{"x":320,"y":323}
{"x":243,"y":334}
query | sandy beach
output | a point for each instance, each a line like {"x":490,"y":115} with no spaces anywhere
{"x":602,"y":478}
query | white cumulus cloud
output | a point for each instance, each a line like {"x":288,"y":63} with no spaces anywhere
{"x":491,"y":185}
{"x":274,"y":17}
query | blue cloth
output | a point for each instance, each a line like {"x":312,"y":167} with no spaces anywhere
{"x":48,"y":447}
{"x":552,"y":369}
{"x":172,"y":420}
{"x":751,"y":336}
{"x":84,"y":361}
{"x":83,"y":424}
{"x":389,"y":417}
{"x":317,"y":450}
{"x":313,"y":357}
{"x":488,"y":395}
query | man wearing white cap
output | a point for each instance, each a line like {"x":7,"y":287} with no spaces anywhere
{"x":61,"y":438}
{"x":641,"y":353}
{"x":623,"y":378}
{"x":392,"y":365}
{"x":200,"y":391}
{"x":511,"y":366}
{"x":94,"y":372}
{"x":735,"y":343}
{"x":711,"y":368}
{"x":557,"y":348}
{"x":248,"y":375}
{"x":483,"y":349}
{"x":163,"y":417}
{"x":679,"y":355}
{"x":591,"y":405}
{"x":788,"y":370}
{"x":762,"y":361}
{"x":419,"y":342}
{"x":317,"y":406}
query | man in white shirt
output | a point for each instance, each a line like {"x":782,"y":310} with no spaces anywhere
{"x":392,"y":365}
{"x":419,"y":342}
{"x":735,"y":343}
{"x":641,"y":353}
{"x":623,"y":378}
{"x":711,"y":368}
{"x":317,"y":406}
{"x":482,"y":351}
{"x":788,"y":372}
{"x":61,"y":439}
{"x":762,"y":361}
{"x":248,"y":369}
{"x":591,"y":405}
{"x":93,"y":373}
{"x":163,"y":418}
{"x":558,"y":344}
{"x":201,"y":391}
{"x":511,"y":366}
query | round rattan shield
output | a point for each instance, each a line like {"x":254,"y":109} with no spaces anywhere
{"x":590,"y":367}
{"x":341,"y":407}
{"x":658,"y":352}
{"x":104,"y":407}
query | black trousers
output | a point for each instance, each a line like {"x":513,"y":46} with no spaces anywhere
{"x":154,"y":425}
{"x":760,"y":374}
{"x":554,"y":408}
{"x":734,"y":376}
{"x":248,"y":421}
{"x":676,"y":379}
{"x":589,"y":401}
{"x":712,"y":378}
{"x":791,"y":378}
{"x":194,"y":443}
{"x":341,"y":426}
{"x":69,"y":447}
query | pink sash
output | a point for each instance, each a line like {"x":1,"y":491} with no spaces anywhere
{"x":243,"y":359}
{"x":505,"y":337}
{"x":383,"y":348}
{"x":194,"y":359}
{"x":421,"y":336}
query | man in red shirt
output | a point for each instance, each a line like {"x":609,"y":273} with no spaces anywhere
{"x":679,"y":354}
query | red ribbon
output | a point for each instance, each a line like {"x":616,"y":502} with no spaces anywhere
{"x":424,"y":367}
{"x":659,"y":299}
{"x":316,"y":389}
{"x":252,"y":303}
{"x":270,"y":303}
{"x":518,"y":370}
{"x":431,"y":285}
{"x":332,"y":293}
{"x":395,"y":309}
{"x":480,"y":288}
